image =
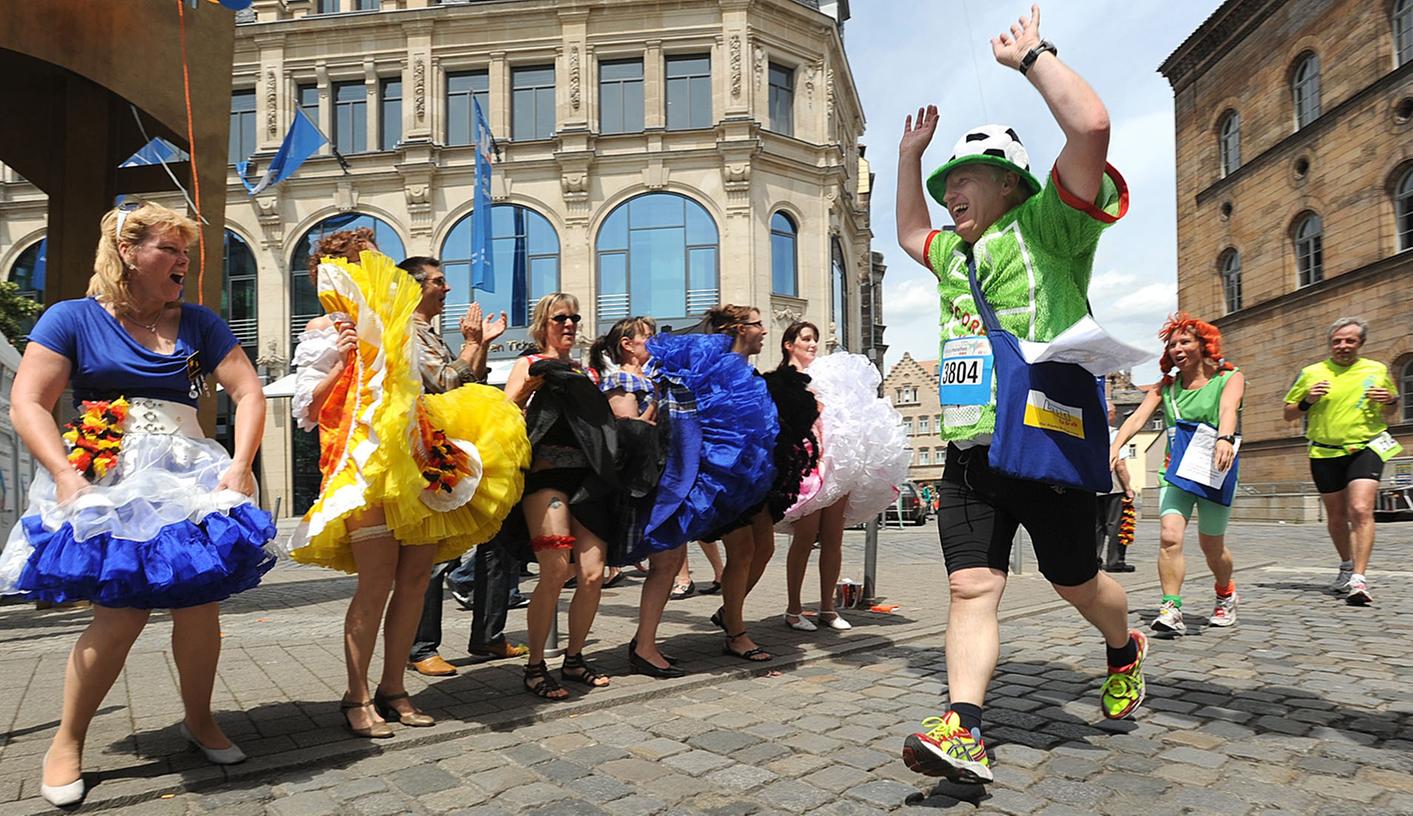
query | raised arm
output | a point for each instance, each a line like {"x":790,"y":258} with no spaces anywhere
{"x":913,"y":222}
{"x":1076,"y":107}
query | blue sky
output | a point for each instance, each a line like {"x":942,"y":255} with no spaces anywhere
{"x":908,"y":53}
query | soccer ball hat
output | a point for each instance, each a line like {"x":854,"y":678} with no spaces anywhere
{"x":997,"y":145}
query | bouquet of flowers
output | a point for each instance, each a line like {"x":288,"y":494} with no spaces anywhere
{"x":95,"y":437}
{"x":443,"y":463}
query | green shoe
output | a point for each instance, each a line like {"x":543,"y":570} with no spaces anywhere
{"x":1123,"y":689}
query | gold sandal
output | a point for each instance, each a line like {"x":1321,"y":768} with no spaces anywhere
{"x":379,"y":730}
{"x":383,"y":704}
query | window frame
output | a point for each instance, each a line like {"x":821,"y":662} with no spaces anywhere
{"x":540,"y":94}
{"x":357,"y":109}
{"x":246,"y":330}
{"x":1403,"y":206}
{"x":1309,"y":250}
{"x":621,"y":88}
{"x":696,"y":86}
{"x":1401,"y":25}
{"x":1229,"y":269}
{"x":839,"y":293}
{"x":1305,"y":89}
{"x":518,"y":319}
{"x":777,"y":238}
{"x":1229,"y":143}
{"x":696,"y":300}
{"x":776,"y":98}
{"x":1405,"y":390}
{"x":385,"y":103}
{"x":475,"y":77}
{"x":242,"y":121}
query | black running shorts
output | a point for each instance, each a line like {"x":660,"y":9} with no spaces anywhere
{"x":980,"y":510}
{"x":1334,"y":475}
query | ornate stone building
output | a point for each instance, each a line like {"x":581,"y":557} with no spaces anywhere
{"x":1295,"y":198}
{"x":653,"y":158}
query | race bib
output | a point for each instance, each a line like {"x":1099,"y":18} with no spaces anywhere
{"x":1385,"y":446}
{"x":964,"y":374}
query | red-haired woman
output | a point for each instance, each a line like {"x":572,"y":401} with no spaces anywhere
{"x":1206,"y":389}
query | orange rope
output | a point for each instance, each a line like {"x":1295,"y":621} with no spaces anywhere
{"x":191,"y":152}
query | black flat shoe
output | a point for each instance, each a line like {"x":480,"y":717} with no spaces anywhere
{"x":640,"y":665}
{"x":633,"y":649}
{"x":710,"y":589}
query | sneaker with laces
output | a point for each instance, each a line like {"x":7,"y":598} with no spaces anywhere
{"x":1225,"y":612}
{"x":1124,"y":688}
{"x":1358,"y":593}
{"x":1341,"y":581}
{"x":945,"y":748}
{"x":1169,"y":620}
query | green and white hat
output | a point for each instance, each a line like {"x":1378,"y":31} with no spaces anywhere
{"x":997,"y":145}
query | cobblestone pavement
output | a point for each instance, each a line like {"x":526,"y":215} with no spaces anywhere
{"x":1301,"y":708}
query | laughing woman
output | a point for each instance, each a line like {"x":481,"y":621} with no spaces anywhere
{"x":141,"y":511}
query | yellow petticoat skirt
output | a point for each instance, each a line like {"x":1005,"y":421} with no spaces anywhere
{"x":446,"y":469}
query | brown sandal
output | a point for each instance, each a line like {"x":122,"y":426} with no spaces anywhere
{"x":379,"y":730}
{"x":383,"y":705}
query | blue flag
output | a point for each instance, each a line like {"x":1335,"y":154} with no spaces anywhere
{"x":482,"y":271}
{"x":300,"y":143}
{"x":157,"y":151}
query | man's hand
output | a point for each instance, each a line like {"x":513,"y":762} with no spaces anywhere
{"x":916,"y":137}
{"x":1379,"y":395}
{"x":1010,"y":49}
{"x":472,"y":328}
{"x":493,"y":327}
{"x":1316,"y":391}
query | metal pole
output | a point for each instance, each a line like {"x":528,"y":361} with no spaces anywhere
{"x":870,"y":581}
{"x":552,"y":647}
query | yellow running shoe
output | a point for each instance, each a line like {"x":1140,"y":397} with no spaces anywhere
{"x":1123,"y":689}
{"x":945,"y":748}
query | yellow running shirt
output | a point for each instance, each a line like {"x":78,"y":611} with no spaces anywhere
{"x":1344,"y":418}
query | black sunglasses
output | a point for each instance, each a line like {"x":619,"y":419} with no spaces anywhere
{"x":569,"y":318}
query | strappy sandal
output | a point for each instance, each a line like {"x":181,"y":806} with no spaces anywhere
{"x":378,"y":730}
{"x":583,"y":672}
{"x":756,"y":655}
{"x":383,"y":704}
{"x":719,"y":618}
{"x":546,"y":687}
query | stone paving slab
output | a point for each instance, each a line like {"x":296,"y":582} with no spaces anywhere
{"x":822,"y":737}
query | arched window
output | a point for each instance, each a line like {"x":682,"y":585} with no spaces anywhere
{"x":1309,"y":249}
{"x":1405,"y":389}
{"x":1229,"y":142}
{"x":1231,"y":279}
{"x":839,"y":294}
{"x":525,"y":260}
{"x":28,"y":274}
{"x":657,"y":256}
{"x":1403,"y":206}
{"x":239,"y":292}
{"x":1402,"y":32}
{"x":304,"y":300}
{"x":784,"y":264}
{"x":1305,"y":90}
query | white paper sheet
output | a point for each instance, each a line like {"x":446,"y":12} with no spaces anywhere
{"x":1087,"y":344}
{"x":1197,"y":462}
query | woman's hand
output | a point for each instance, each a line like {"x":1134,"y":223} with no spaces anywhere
{"x":347,"y":342}
{"x":68,"y":485}
{"x":238,"y":478}
{"x":1223,"y":454}
{"x":1113,"y":458}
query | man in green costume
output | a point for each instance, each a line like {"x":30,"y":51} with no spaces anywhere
{"x":1034,"y":250}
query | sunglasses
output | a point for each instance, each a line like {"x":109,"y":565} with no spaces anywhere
{"x":569,"y":318}
{"x":756,"y":323}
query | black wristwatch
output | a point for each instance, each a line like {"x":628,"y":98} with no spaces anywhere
{"x":1227,"y":438}
{"x":1034,"y":54}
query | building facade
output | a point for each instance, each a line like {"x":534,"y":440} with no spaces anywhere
{"x":911,"y":386}
{"x":1294,"y":124}
{"x":652,"y":158}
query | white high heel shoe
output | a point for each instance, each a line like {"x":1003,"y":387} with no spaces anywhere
{"x":62,"y":795}
{"x":798,"y":621}
{"x":216,"y":756}
{"x":834,"y":621}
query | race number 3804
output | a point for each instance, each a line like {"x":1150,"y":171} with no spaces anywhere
{"x":966,"y":371}
{"x":964,"y":375}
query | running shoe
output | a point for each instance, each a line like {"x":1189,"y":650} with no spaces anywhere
{"x":1341,"y":581}
{"x":1169,"y":620}
{"x":1358,"y":593}
{"x":945,"y":748}
{"x":1225,"y":612}
{"x":1124,"y":688}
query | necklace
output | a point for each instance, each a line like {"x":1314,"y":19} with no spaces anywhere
{"x":151,"y":327}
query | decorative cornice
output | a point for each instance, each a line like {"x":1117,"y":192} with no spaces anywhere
{"x":1214,"y":39}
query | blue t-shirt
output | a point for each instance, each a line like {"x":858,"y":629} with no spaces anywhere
{"x":109,"y":363}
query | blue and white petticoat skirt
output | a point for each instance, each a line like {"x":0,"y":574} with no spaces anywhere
{"x":154,"y":535}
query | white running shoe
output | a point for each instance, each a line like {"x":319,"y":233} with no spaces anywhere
{"x":1359,"y":593}
{"x":1225,"y":612}
{"x":1169,"y":620}
{"x":1341,"y":582}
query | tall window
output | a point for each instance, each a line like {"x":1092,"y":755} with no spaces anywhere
{"x":1229,"y":143}
{"x":28,"y":274}
{"x":839,"y":296}
{"x":525,"y":257}
{"x":907,"y":426}
{"x":658,"y":256}
{"x":350,"y":117}
{"x":238,"y":292}
{"x":621,"y":96}
{"x":304,"y":301}
{"x":336,"y":6}
{"x":532,"y":102}
{"x":1405,"y":390}
{"x":784,"y":265}
{"x":1403,"y":40}
{"x":923,"y":426}
{"x":460,"y":115}
{"x":309,"y":101}
{"x":1309,"y":249}
{"x":390,"y":115}
{"x":924,"y":457}
{"x":688,"y":92}
{"x":782,"y":99}
{"x":1403,"y":212}
{"x":1231,"y":279}
{"x":242,"y":142}
{"x":1305,"y":89}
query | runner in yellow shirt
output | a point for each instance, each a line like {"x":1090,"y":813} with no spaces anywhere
{"x":1346,"y":398}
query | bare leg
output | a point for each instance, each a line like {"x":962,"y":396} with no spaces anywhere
{"x":412,"y":573}
{"x":1172,"y":567}
{"x":1102,"y":602}
{"x":547,"y":514}
{"x":376,"y":560}
{"x":589,"y":554}
{"x":831,"y":552}
{"x":1218,"y":557}
{"x":1337,"y":522}
{"x":196,"y":648}
{"x":94,"y":664}
{"x":763,"y":529}
{"x":797,"y":560}
{"x":740,"y":547}
{"x":973,"y":632}
{"x":713,"y":554}
{"x":1362,"y":493}
{"x":662,"y":567}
